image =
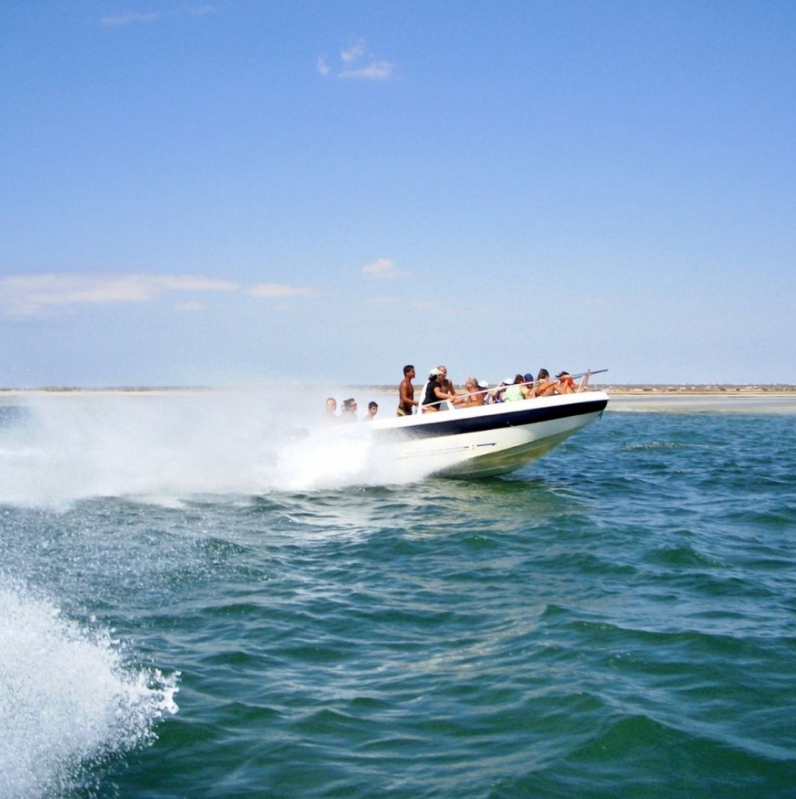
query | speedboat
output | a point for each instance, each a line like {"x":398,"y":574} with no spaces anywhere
{"x":486,"y":440}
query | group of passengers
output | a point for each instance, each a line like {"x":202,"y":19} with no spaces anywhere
{"x":438,"y":393}
{"x":348,"y":411}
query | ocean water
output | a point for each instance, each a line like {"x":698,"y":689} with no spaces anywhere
{"x":195,"y":604}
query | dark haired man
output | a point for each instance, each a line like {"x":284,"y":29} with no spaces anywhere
{"x":406,"y":393}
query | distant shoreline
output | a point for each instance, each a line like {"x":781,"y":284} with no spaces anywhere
{"x":650,"y":390}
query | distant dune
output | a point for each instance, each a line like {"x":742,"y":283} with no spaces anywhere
{"x":616,"y":389}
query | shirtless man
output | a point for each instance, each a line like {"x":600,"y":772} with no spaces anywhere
{"x":545,"y":387}
{"x":446,"y":384}
{"x":473,"y":396}
{"x":406,"y":393}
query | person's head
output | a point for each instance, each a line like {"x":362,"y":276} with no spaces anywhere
{"x":518,"y":380}
{"x":565,"y":377}
{"x":543,"y":374}
{"x":331,"y":405}
{"x":435,"y":374}
{"x":407,"y":369}
{"x":350,"y":404}
{"x":527,"y":378}
{"x":443,"y":371}
{"x":471,"y":384}
{"x":373,"y":408}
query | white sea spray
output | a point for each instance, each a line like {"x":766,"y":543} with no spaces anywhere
{"x":168,"y":447}
{"x":67,"y":697}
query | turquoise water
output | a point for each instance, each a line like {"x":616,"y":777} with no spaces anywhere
{"x":616,"y":620}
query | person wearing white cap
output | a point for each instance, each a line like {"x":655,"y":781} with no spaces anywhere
{"x":496,"y":395}
{"x":434,"y":394}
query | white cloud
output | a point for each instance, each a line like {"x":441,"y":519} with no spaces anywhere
{"x":377,"y":70}
{"x":279,"y":291}
{"x":32,"y":295}
{"x":137,"y":17}
{"x":354,"y":53}
{"x":203,"y":11}
{"x":382,"y":268}
{"x":37,"y":295}
{"x":357,"y":63}
{"x":131,"y":17}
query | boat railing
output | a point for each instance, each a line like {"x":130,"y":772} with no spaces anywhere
{"x":453,"y":405}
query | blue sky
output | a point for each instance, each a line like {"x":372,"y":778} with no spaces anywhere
{"x":240,"y":192}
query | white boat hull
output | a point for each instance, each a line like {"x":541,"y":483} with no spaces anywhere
{"x":488,"y":440}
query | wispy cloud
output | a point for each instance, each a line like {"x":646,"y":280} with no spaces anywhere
{"x":203,"y":11}
{"x":354,"y":53}
{"x":376,"y":70}
{"x":280,"y":291}
{"x":382,"y":268}
{"x":139,"y":17}
{"x":33,"y":295}
{"x":357,"y":62}
{"x":131,"y":18}
{"x":45,"y":294}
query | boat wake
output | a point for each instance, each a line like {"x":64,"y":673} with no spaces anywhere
{"x":57,"y":450}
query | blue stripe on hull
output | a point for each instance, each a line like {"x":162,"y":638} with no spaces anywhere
{"x":478,"y":424}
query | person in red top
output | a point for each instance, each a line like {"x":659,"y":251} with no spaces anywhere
{"x":566,"y":385}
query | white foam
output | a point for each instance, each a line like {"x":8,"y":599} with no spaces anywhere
{"x":164,"y":448}
{"x":66,"y":697}
{"x":337,"y":457}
